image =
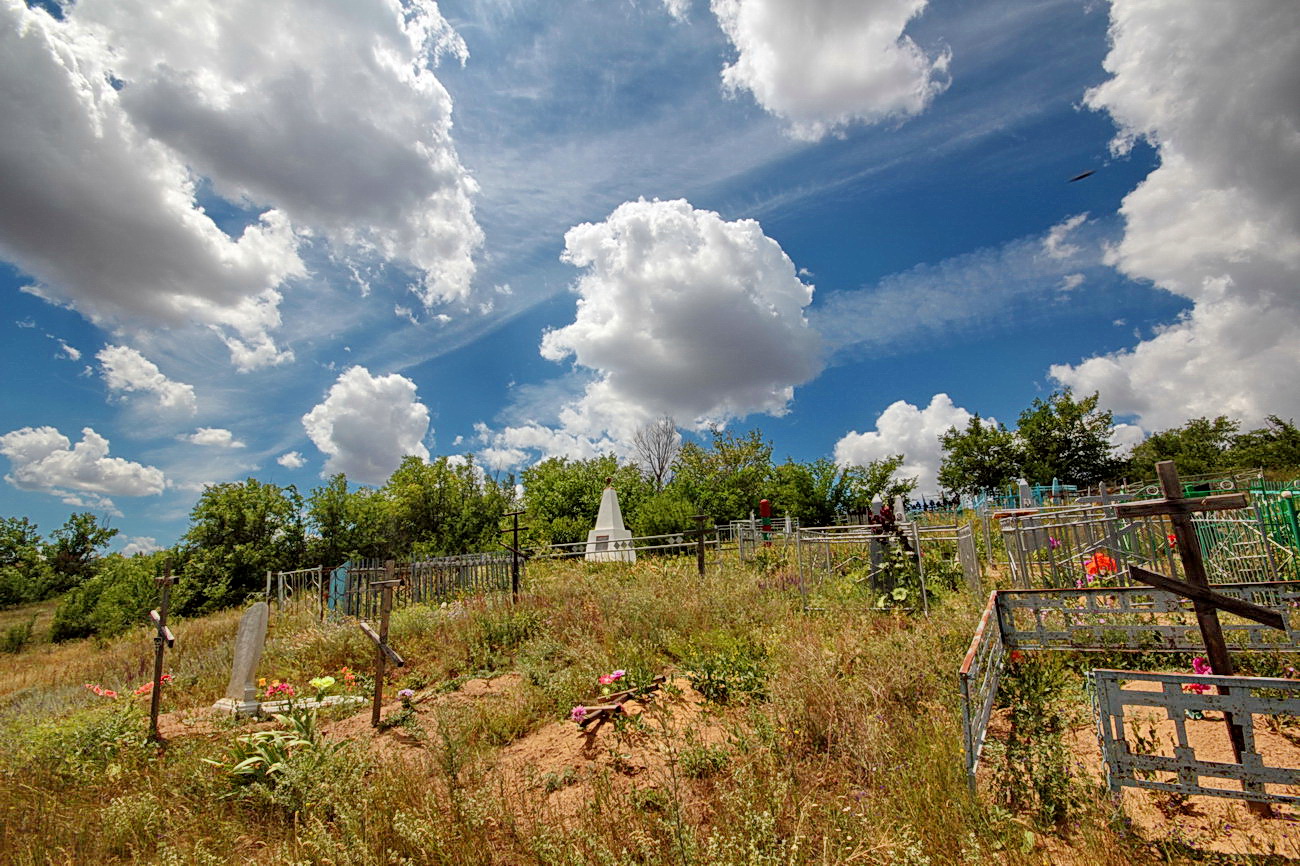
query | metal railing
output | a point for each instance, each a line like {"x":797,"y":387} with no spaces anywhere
{"x":1185,"y":698}
{"x":980,"y":673}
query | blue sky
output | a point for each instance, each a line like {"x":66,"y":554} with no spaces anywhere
{"x":288,"y":239}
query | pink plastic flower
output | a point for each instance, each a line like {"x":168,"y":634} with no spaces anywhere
{"x":276,"y":689}
{"x":1053,"y":542}
{"x":578,"y":713}
{"x":101,"y":691}
{"x":1201,"y":667}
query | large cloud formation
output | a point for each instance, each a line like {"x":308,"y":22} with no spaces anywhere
{"x":323,"y":116}
{"x":824,"y":64}
{"x":1218,"y":221}
{"x":367,"y":424}
{"x":46,"y":461}
{"x":680,"y":313}
{"x":908,"y":430}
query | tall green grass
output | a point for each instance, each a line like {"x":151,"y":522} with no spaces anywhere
{"x":842,"y":743}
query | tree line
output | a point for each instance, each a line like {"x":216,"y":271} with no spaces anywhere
{"x":1068,"y":439}
{"x":240,"y":530}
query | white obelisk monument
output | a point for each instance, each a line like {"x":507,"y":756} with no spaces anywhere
{"x":610,"y":541}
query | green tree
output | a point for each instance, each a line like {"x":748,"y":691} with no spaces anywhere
{"x":238,"y":531}
{"x":1067,"y":439}
{"x":984,"y":456}
{"x":446,"y":507}
{"x":346,"y":523}
{"x":74,"y":550}
{"x":562,"y":496}
{"x":815,"y":492}
{"x":1276,"y":445}
{"x":118,"y":596}
{"x":1198,"y":447}
{"x":24,"y":574}
{"x":726,"y":479}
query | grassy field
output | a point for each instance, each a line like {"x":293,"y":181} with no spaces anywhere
{"x":783,"y":737}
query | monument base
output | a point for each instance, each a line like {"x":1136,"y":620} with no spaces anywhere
{"x":610,"y":545}
{"x":238,"y":708}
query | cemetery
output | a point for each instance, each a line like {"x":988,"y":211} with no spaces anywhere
{"x":1116,"y":678}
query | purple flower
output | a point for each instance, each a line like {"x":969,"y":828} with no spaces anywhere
{"x":1053,"y":542}
{"x":578,"y":713}
{"x":406,"y":694}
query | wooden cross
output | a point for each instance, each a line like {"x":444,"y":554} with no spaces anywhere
{"x":699,"y":542}
{"x":163,"y":638}
{"x":383,"y":652}
{"x":1205,"y":601}
{"x":517,"y":554}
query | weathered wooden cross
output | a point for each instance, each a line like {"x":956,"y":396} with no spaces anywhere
{"x":516,"y":553}
{"x":162,"y":638}
{"x":1206,"y":602}
{"x":383,"y":652}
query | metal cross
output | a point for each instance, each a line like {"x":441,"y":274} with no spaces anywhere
{"x":1205,"y":601}
{"x":163,"y":638}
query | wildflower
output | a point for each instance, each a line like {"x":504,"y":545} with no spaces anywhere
{"x":1053,"y":542}
{"x":101,"y":691}
{"x":406,"y":694}
{"x":578,"y":713}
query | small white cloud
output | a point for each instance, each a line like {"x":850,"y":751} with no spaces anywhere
{"x":1057,"y":243}
{"x":367,"y":424}
{"x":25,"y":323}
{"x":1125,"y":437}
{"x":911,"y":431}
{"x":215,"y":437}
{"x":44,"y":460}
{"x":291,"y":460}
{"x":405,"y":313}
{"x":1070,"y":282}
{"x":824,"y":64}
{"x":679,"y":9}
{"x":65,"y":351}
{"x":125,"y":369}
{"x":140,"y":544}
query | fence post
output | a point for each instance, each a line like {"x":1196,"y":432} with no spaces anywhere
{"x":514,"y":558}
{"x":323,"y":595}
{"x":268,"y":585}
{"x":1288,"y":503}
{"x":699,"y":543}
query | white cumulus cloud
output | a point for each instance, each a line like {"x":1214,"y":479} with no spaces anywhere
{"x":824,"y":64}
{"x":680,"y":313}
{"x":367,"y":424}
{"x":329,"y":112}
{"x":908,"y":430}
{"x":215,"y":437}
{"x":322,"y":120}
{"x":101,"y":214}
{"x":125,"y":369}
{"x":139,"y":544}
{"x":291,"y":460}
{"x":1213,"y":89}
{"x":44,"y":460}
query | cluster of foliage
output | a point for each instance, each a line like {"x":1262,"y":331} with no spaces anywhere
{"x":1203,"y":446}
{"x":1068,"y":439}
{"x":1057,"y":438}
{"x":34,"y":570}
{"x":723,"y":479}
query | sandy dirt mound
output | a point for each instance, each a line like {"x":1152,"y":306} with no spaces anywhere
{"x":1205,"y":823}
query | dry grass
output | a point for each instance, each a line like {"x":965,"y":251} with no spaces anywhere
{"x":841,"y":742}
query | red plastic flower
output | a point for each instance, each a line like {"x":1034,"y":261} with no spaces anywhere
{"x":1100,"y":564}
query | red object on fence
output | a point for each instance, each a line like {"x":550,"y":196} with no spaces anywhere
{"x":765,"y":512}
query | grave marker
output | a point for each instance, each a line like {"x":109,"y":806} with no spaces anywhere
{"x":163,"y":637}
{"x":1205,"y":602}
{"x":241,"y":693}
{"x":383,"y":652}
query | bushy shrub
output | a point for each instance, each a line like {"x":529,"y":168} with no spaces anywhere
{"x":119,"y":596}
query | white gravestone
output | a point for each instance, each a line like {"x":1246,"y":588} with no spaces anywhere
{"x":610,"y":541}
{"x":241,"y":694}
